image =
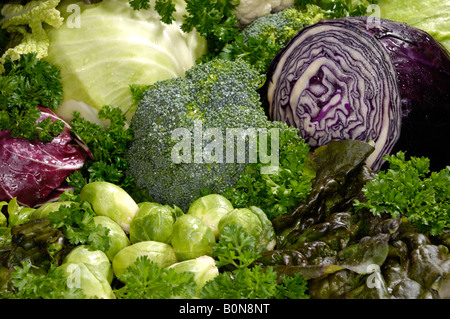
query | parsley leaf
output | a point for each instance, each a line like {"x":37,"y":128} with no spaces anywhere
{"x":165,"y":8}
{"x":146,"y":280}
{"x":292,"y":287}
{"x":339,"y":8}
{"x":215,"y":20}
{"x":105,"y":144}
{"x":140,"y":4}
{"x":280,"y":191}
{"x":29,"y":283}
{"x":29,"y":82}
{"x":242,"y":283}
{"x":77,"y":223}
{"x":408,"y":189}
{"x":108,"y":147}
{"x":235,"y":247}
{"x":26,"y":84}
{"x":255,"y":283}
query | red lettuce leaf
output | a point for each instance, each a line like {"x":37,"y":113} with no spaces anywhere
{"x":32,"y":171}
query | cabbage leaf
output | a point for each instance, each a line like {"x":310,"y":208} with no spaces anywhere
{"x":27,"y":22}
{"x":102,"y":49}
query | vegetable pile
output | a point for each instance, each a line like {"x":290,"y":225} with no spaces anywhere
{"x":208,"y":150}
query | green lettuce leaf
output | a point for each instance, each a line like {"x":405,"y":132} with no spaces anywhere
{"x":432,"y":16}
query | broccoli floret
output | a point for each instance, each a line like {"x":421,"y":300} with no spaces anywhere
{"x":260,"y":41}
{"x":283,"y":25}
{"x":216,"y":95}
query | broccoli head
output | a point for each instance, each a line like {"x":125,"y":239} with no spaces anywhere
{"x":282,"y":26}
{"x":182,"y":127}
{"x":260,"y":41}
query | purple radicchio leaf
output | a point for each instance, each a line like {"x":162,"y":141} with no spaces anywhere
{"x":34,"y":171}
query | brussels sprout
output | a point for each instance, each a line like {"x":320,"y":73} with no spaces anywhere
{"x":111,"y":201}
{"x":191,"y":238}
{"x":118,"y":239}
{"x":160,"y":253}
{"x":153,"y":222}
{"x":204,"y":269}
{"x":255,"y":223}
{"x":44,"y":210}
{"x":93,"y":284}
{"x":96,"y":260}
{"x":211,"y":208}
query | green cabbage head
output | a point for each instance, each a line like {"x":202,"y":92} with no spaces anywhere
{"x":104,"y":48}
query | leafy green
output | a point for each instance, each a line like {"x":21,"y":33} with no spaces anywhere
{"x":421,"y":14}
{"x":26,"y":84}
{"x":29,"y":284}
{"x":339,"y":8}
{"x":259,"y":42}
{"x":254,"y":283}
{"x":146,"y":280}
{"x":214,"y":20}
{"x":292,"y":287}
{"x":26,"y":23}
{"x":408,"y":189}
{"x":108,"y":147}
{"x":340,"y":174}
{"x":77,"y":222}
{"x":278,"y":192}
{"x":35,"y":241}
{"x":165,"y":8}
{"x":247,"y":281}
{"x":235,"y":247}
{"x":4,"y":37}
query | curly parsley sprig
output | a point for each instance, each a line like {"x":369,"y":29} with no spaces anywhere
{"x":279,"y":192}
{"x":30,"y":284}
{"x":108,"y":146}
{"x":248,"y":281}
{"x":408,"y":189}
{"x":235,"y":247}
{"x":146,"y":280}
{"x":76,"y":220}
{"x":26,"y":84}
{"x":214,"y":20}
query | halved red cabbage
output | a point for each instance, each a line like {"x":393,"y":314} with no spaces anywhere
{"x":382,"y":81}
{"x":33,"y":171}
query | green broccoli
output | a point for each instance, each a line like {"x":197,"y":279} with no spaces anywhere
{"x":211,"y":98}
{"x":260,"y":41}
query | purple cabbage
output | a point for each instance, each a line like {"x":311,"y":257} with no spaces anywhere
{"x":382,"y":81}
{"x":35,"y":171}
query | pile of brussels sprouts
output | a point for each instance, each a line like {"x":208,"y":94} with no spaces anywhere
{"x":164,"y":234}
